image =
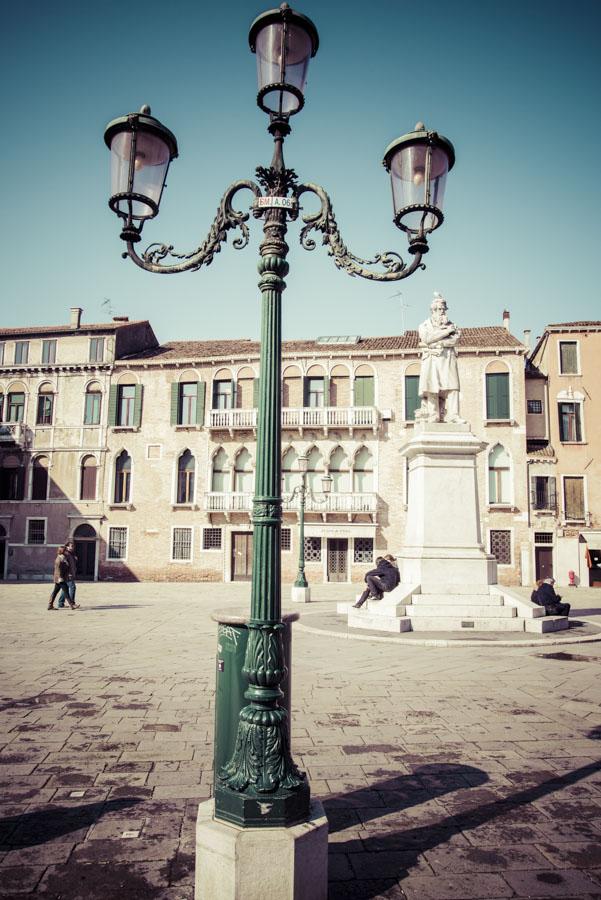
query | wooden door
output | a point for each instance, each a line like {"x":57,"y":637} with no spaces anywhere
{"x":543,"y":559}
{"x":337,"y":559}
{"x":242,"y":555}
{"x":86,"y":559}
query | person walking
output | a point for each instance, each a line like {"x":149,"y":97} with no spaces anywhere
{"x":71,"y":558}
{"x":381,"y":580}
{"x":61,"y":570}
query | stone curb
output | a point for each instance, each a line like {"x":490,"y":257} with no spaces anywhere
{"x":543,"y":641}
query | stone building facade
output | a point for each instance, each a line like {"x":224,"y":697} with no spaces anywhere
{"x":145,"y":454}
{"x":564,"y":454}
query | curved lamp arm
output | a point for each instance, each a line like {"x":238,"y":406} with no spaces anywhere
{"x":226,"y":219}
{"x":325,"y":221}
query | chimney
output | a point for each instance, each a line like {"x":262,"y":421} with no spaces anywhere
{"x":76,"y":312}
{"x":527,"y":333}
{"x":506,"y":319}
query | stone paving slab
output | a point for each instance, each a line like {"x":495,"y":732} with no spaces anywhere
{"x":447,"y":773}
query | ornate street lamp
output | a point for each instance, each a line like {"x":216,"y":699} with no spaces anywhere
{"x":261,"y":785}
{"x":300,"y":589}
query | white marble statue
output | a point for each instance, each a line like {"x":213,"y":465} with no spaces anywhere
{"x":439,"y":378}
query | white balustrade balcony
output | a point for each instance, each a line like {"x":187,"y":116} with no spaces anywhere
{"x":303,"y":417}
{"x":347,"y":503}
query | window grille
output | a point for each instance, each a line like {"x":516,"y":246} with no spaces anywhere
{"x":313,"y":549}
{"x":535,"y":407}
{"x":182,"y":544}
{"x":117,"y":545}
{"x":363,"y":550}
{"x":286,"y":539}
{"x":211,"y":539}
{"x":543,"y":537}
{"x":500,"y":546}
{"x":36,"y":531}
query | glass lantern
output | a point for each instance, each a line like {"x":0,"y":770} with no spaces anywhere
{"x":418,"y":164}
{"x":284,"y":42}
{"x":141,"y":151}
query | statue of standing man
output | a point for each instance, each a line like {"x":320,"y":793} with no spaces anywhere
{"x":439,"y":378}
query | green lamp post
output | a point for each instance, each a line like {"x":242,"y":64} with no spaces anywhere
{"x":261,"y":785}
{"x":301,"y":592}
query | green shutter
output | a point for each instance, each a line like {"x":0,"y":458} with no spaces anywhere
{"x":497,"y":396}
{"x":201,"y":389}
{"x":364,"y":391}
{"x":326,"y":390}
{"x":138,"y":405}
{"x":256,"y":386}
{"x":175,"y":404}
{"x":412,"y":401}
{"x":112,"y":413}
{"x":233,"y":397}
{"x":305,"y":391}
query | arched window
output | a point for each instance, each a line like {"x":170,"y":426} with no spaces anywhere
{"x":340,"y":390}
{"x":123,"y":477}
{"x":186,"y":467}
{"x":245,"y":388}
{"x":219,"y":479}
{"x":15,"y":403}
{"x":363,"y":472}
{"x":315,"y":470}
{"x":292,"y":387}
{"x":316,"y":388}
{"x":290,"y":473}
{"x":224,"y":389}
{"x":45,"y":406}
{"x":243,"y":473}
{"x":39,"y":478}
{"x":364,"y":390}
{"x":499,"y":475}
{"x":87,"y":478}
{"x":93,"y":404}
{"x":339,"y":471}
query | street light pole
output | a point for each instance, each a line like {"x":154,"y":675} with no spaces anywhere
{"x":261,"y":785}
{"x":301,"y":581}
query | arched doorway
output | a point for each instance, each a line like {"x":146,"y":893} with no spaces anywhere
{"x":2,"y":550}
{"x":85,"y":538}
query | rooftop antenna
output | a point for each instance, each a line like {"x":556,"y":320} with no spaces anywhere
{"x":404,"y":306}
{"x":107,"y":306}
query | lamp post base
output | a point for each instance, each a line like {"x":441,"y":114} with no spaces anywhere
{"x":300,"y":594}
{"x":235,"y":863}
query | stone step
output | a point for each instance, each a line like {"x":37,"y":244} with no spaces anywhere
{"x":362,"y":618}
{"x":547,"y":624}
{"x":467,"y":625}
{"x":429,"y":599}
{"x":462,"y":610}
{"x":449,"y":588}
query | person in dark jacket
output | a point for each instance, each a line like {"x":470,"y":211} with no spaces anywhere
{"x":381,"y":580}
{"x":547,"y":597}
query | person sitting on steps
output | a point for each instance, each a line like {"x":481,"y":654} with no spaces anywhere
{"x":381,"y":580}
{"x":547,"y":597}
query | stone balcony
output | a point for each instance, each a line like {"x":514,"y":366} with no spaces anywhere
{"x":349,"y":504}
{"x":13,"y":434}
{"x":299,"y":419}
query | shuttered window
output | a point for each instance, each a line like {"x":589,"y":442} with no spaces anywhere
{"x":497,"y":395}
{"x":568,"y":357}
{"x":412,"y":401}
{"x":573,"y":498}
{"x":364,"y":390}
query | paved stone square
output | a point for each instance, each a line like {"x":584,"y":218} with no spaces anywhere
{"x":447,"y":772}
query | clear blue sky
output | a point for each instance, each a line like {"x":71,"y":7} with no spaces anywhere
{"x":514,"y":85}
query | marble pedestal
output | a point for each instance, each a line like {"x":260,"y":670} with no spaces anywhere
{"x":235,"y":863}
{"x":443,"y":536}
